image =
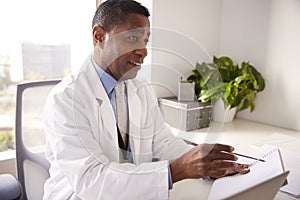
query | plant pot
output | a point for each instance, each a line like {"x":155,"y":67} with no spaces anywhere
{"x":219,"y":114}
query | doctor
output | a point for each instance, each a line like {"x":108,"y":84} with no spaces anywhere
{"x":89,"y":155}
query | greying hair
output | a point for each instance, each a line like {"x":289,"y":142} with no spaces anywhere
{"x":114,"y":12}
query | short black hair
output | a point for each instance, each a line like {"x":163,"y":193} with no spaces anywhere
{"x":114,"y":12}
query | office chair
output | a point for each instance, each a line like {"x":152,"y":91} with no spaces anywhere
{"x":32,"y":166}
{"x":10,"y":188}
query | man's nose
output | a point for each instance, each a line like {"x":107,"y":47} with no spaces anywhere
{"x":143,"y":52}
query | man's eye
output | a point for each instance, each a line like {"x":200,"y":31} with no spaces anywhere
{"x":132,"y":38}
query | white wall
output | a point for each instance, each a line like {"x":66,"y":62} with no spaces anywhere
{"x":264,"y":32}
{"x":267,"y":33}
{"x":193,"y":32}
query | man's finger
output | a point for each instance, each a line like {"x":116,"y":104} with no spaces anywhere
{"x":223,"y":147}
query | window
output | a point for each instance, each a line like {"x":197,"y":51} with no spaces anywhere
{"x":39,"y":40}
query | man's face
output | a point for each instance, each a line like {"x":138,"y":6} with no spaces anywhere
{"x":124,"y":48}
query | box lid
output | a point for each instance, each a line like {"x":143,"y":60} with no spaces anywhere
{"x":186,"y":105}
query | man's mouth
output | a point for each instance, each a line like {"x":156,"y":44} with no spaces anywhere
{"x":135,"y":63}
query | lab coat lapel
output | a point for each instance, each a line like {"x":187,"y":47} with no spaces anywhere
{"x":106,"y":117}
{"x":107,"y":124}
{"x":104,"y":114}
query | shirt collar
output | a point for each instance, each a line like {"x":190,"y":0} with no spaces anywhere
{"x":107,"y":80}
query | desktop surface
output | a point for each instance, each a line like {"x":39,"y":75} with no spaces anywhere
{"x":244,"y":135}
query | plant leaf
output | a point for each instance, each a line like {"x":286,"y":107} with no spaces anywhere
{"x":210,"y":93}
{"x":259,"y":78}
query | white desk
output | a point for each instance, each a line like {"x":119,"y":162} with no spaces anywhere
{"x":241,"y":134}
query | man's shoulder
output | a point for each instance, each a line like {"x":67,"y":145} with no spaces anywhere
{"x":65,"y":86}
{"x":79,"y":80}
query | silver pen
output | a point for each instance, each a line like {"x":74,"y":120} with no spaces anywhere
{"x":238,"y":154}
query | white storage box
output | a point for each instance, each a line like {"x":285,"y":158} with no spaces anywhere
{"x":185,"y":115}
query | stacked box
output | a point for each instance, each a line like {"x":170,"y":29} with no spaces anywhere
{"x":185,"y":115}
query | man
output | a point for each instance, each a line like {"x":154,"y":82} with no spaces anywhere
{"x":90,"y":156}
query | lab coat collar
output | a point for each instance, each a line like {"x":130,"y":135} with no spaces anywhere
{"x":107,"y":80}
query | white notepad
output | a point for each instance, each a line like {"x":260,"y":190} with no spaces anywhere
{"x":289,"y":148}
{"x":262,"y":175}
{"x":292,"y":163}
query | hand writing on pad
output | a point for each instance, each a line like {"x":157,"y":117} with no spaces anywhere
{"x":237,"y":169}
{"x":240,"y":168}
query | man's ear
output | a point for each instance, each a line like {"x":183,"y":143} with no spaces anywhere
{"x":98,"y":35}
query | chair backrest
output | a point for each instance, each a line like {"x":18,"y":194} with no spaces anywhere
{"x":32,"y":166}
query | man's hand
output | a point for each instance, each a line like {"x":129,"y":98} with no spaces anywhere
{"x":204,"y":160}
{"x":238,"y":168}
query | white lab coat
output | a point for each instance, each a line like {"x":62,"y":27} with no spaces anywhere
{"x":82,"y":143}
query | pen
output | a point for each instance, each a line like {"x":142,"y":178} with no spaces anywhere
{"x":237,"y":154}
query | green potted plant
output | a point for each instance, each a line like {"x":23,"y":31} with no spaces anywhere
{"x":223,"y":80}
